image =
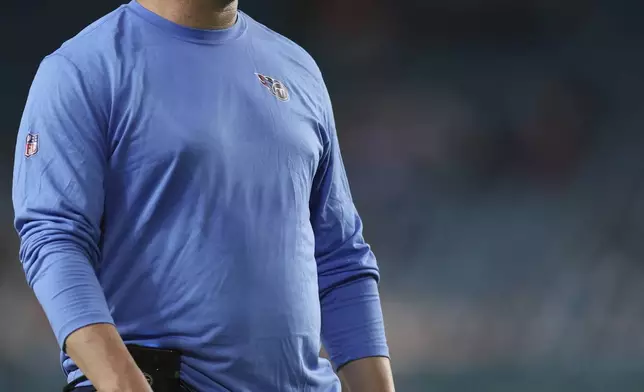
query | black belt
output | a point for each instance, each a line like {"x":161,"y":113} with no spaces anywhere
{"x":159,"y":366}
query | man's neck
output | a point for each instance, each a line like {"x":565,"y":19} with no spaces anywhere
{"x":200,"y":14}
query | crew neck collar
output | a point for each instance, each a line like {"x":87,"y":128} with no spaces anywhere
{"x":191,"y":33}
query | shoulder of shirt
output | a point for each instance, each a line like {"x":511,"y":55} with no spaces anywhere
{"x":87,"y":46}
{"x":261,"y":32}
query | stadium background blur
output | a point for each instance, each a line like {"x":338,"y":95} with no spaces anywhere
{"x":494,"y":149}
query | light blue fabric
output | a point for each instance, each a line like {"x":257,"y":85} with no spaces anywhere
{"x":195,"y":204}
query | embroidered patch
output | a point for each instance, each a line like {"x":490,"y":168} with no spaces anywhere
{"x":277,"y":88}
{"x":31,"y":147}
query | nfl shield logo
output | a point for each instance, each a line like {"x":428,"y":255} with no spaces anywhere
{"x":277,"y":88}
{"x":32,"y":145}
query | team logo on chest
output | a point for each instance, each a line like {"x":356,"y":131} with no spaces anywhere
{"x":277,"y":88}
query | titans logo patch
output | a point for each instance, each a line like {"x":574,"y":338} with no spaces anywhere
{"x":277,"y":88}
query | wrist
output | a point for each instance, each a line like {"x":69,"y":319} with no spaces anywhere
{"x":130,"y":379}
{"x":124,"y":385}
{"x":371,"y":374}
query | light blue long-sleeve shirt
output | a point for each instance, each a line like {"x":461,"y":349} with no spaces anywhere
{"x":187,"y":186}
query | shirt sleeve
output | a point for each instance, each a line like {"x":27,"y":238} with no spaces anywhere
{"x":352,"y":321}
{"x":58,"y":195}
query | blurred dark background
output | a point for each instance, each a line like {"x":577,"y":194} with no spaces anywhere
{"x":495,"y":152}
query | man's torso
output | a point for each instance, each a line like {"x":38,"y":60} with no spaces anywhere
{"x":207,"y":245}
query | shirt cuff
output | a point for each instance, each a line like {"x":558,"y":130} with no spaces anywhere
{"x":352,"y":322}
{"x":71,"y":295}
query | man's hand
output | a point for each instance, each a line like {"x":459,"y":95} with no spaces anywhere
{"x":367,"y":375}
{"x":100,"y":353}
